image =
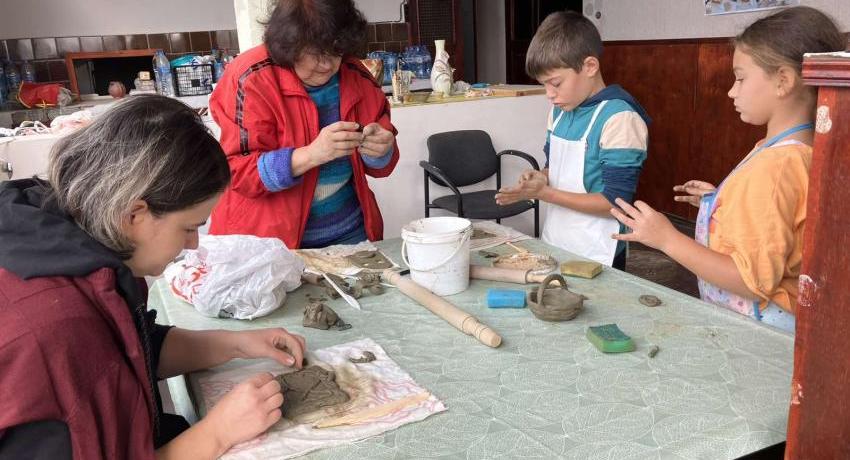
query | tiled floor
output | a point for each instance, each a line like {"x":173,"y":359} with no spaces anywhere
{"x":655,"y":266}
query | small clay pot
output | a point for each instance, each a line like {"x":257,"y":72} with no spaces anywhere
{"x":554,"y":304}
{"x":117,"y":89}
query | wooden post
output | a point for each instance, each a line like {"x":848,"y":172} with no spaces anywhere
{"x":818,"y":423}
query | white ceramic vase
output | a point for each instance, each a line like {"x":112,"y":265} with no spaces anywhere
{"x":441,"y":72}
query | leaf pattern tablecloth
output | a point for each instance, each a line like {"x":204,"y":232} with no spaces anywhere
{"x":718,"y":388}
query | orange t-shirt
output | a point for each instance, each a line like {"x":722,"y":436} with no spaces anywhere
{"x":759,"y":219}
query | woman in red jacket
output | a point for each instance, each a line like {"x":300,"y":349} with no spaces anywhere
{"x":302,"y":124}
{"x":79,"y":352}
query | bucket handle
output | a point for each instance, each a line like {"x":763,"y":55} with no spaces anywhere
{"x":466,"y":235}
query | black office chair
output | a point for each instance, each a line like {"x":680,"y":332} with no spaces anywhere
{"x":461,"y":158}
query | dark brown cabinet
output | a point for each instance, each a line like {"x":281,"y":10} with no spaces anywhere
{"x":439,"y":20}
{"x":522,"y":17}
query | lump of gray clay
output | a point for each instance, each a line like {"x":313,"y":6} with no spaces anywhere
{"x":309,"y":390}
{"x":320,"y":316}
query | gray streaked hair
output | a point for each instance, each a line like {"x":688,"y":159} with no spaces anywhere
{"x":563,"y":40}
{"x":149,"y":148}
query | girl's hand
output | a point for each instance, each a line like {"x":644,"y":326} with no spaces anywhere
{"x":245,"y":412}
{"x":695,"y":189}
{"x":377,"y":141}
{"x":275,"y":343}
{"x":530,"y":184}
{"x":649,"y":226}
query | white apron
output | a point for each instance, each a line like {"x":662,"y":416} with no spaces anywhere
{"x":583,"y":234}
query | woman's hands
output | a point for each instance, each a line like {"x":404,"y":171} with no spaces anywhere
{"x":377,"y":141}
{"x":245,"y":412}
{"x":274,"y":343}
{"x":334,"y":141}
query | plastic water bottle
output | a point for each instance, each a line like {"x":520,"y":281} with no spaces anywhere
{"x":162,"y":74}
{"x":218,"y":66}
{"x":4,"y":92}
{"x":27,"y":72}
{"x":13,"y":78}
{"x":417,"y":61}
{"x":426,"y":62}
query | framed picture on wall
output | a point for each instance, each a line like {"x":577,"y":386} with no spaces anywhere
{"x":714,"y":7}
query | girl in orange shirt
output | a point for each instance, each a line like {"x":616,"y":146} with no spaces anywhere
{"x":748,"y":244}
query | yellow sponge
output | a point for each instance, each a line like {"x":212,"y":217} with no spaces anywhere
{"x":581,"y":268}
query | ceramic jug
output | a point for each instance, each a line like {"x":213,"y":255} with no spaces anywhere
{"x":441,"y":72}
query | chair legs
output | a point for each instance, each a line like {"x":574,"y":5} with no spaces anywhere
{"x":536,"y":219}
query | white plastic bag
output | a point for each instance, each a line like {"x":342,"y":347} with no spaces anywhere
{"x":236,"y":276}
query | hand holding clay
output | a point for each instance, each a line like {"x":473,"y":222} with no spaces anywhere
{"x":246,"y":411}
{"x":649,"y":226}
{"x":334,"y":141}
{"x":530,"y":184}
{"x":275,"y":343}
{"x":376,"y":140}
{"x":695,"y":189}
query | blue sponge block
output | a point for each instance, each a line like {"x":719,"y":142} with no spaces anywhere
{"x":505,"y":298}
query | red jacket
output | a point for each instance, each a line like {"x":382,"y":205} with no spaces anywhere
{"x":262,"y":107}
{"x":69,"y":351}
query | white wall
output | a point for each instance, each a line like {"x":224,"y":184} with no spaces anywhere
{"x":490,"y":41}
{"x":60,"y":18}
{"x":671,"y":19}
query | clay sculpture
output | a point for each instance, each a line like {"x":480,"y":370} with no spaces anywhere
{"x":309,"y":390}
{"x":320,"y":316}
{"x":555,"y":304}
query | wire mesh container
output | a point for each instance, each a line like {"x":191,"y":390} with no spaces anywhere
{"x":193,"y":80}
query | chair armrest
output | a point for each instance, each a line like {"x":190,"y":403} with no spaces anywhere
{"x":438,"y":173}
{"x":530,"y":159}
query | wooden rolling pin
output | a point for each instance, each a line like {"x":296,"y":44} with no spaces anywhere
{"x":458,"y":318}
{"x":507,"y":275}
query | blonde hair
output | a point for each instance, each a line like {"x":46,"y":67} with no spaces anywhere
{"x":149,"y":148}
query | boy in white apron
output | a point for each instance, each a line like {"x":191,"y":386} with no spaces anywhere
{"x":748,"y":247}
{"x":596,"y":142}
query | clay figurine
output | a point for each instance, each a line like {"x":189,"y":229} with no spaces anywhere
{"x":320,"y":316}
{"x":649,"y":300}
{"x":367,"y":357}
{"x":555,"y":304}
{"x":373,"y":260}
{"x":308,"y":390}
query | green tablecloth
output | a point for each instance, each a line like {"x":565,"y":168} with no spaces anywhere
{"x":718,"y":388}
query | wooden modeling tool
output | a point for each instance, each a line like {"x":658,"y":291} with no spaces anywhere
{"x":516,"y":248}
{"x":350,"y":300}
{"x":373,"y":412}
{"x":453,"y":315}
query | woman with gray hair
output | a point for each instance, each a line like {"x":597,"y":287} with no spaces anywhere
{"x":80,"y":353}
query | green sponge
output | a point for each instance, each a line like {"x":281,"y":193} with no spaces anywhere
{"x":608,"y":338}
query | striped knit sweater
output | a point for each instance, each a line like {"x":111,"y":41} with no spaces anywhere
{"x":335,"y":215}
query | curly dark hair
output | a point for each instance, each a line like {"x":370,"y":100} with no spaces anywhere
{"x":330,"y":27}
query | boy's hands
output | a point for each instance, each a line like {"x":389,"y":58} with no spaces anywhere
{"x":695,"y":189}
{"x":649,"y":226}
{"x":529,"y":187}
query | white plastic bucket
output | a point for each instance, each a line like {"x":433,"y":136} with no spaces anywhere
{"x":436,"y":249}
